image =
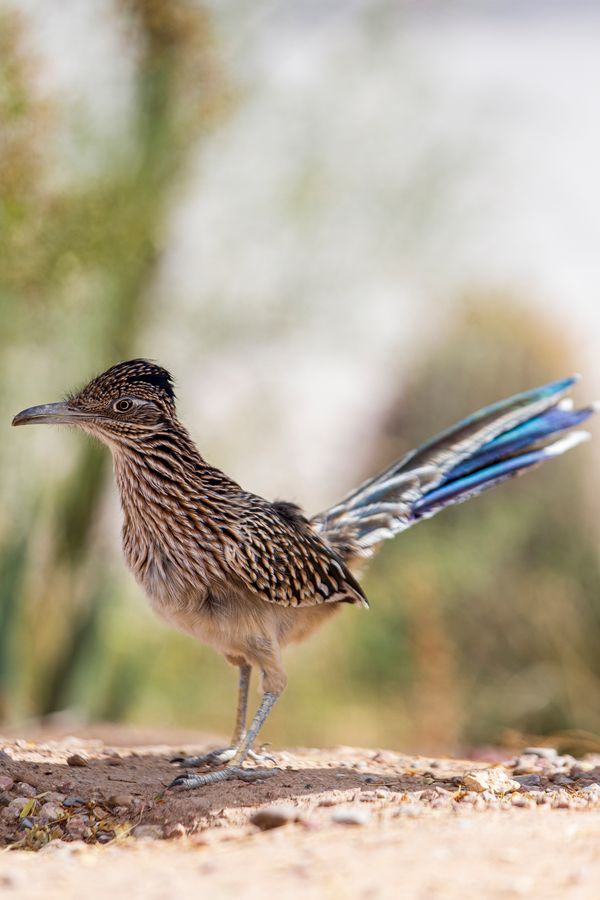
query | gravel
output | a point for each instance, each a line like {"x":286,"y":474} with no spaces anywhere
{"x":350,"y":815}
{"x":273,"y":817}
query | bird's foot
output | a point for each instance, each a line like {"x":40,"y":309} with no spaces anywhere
{"x":188,"y":781}
{"x":218,"y":758}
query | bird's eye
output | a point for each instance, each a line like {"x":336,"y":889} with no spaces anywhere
{"x":122,"y":405}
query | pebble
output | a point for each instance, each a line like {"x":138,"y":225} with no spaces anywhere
{"x":175,"y":831}
{"x":559,"y":778}
{"x":5,"y":798}
{"x":273,"y":817}
{"x":77,"y":760}
{"x":105,"y":837}
{"x":78,"y":828}
{"x":542,"y":752}
{"x":148,"y":832}
{"x":350,"y":816}
{"x":6,"y":783}
{"x":529,"y":781}
{"x":494,"y":779}
{"x":18,"y":803}
{"x":120,"y":800}
{"x":26,"y":790}
{"x":561,"y":800}
{"x":592,"y":790}
{"x":527,"y":764}
{"x":51,"y":811}
{"x":73,"y":801}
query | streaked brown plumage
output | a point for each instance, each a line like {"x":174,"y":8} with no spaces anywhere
{"x":248,"y":576}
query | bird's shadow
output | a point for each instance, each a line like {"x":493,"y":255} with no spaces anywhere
{"x":132,"y":784}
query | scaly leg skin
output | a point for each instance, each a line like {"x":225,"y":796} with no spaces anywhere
{"x":226,"y":754}
{"x":188,"y":781}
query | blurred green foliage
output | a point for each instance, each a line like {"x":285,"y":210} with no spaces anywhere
{"x":484,"y":619}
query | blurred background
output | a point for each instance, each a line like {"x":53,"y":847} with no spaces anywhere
{"x":342,"y":225}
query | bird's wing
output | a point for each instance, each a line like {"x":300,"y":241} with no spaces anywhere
{"x":280,"y":558}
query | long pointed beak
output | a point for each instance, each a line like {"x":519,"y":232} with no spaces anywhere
{"x":49,"y":413}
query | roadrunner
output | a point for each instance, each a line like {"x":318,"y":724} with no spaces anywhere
{"x":248,"y":576}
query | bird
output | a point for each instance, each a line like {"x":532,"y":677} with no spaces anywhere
{"x":248,"y":576}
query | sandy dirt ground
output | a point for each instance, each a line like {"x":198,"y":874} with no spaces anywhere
{"x":91,"y":817}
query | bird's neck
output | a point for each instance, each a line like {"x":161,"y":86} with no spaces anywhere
{"x":169,"y":493}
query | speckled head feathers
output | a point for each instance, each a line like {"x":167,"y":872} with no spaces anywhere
{"x":138,"y":377}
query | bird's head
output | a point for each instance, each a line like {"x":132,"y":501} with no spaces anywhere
{"x":129,"y":401}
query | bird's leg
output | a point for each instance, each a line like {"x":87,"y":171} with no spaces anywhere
{"x":226,"y":754}
{"x":189,"y":781}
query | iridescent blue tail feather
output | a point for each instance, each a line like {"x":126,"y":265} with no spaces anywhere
{"x":492,"y":445}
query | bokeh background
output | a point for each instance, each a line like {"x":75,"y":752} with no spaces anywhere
{"x":342,"y":225}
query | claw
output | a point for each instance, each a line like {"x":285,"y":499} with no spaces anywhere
{"x":188,"y":782}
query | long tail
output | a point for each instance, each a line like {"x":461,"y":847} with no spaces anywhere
{"x":491,"y":446}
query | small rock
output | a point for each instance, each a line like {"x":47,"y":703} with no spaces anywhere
{"x":9,"y":814}
{"x":273,"y":817}
{"x":120,"y":800}
{"x":6,"y":783}
{"x":327,"y":801}
{"x":5,"y":798}
{"x":77,"y":760}
{"x":26,"y":790}
{"x":350,"y":815}
{"x":541,"y":752}
{"x":528,"y":781}
{"x":494,"y":779}
{"x":175,"y":831}
{"x":51,"y":811}
{"x":518,"y":800}
{"x":148,"y":832}
{"x":592,"y":791}
{"x":52,"y":797}
{"x":562,"y":801}
{"x":105,"y":837}
{"x":73,"y":801}
{"x":559,"y":778}
{"x":78,"y":828}
{"x":527,"y":764}
{"x":27,"y":823}
{"x":18,"y":803}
